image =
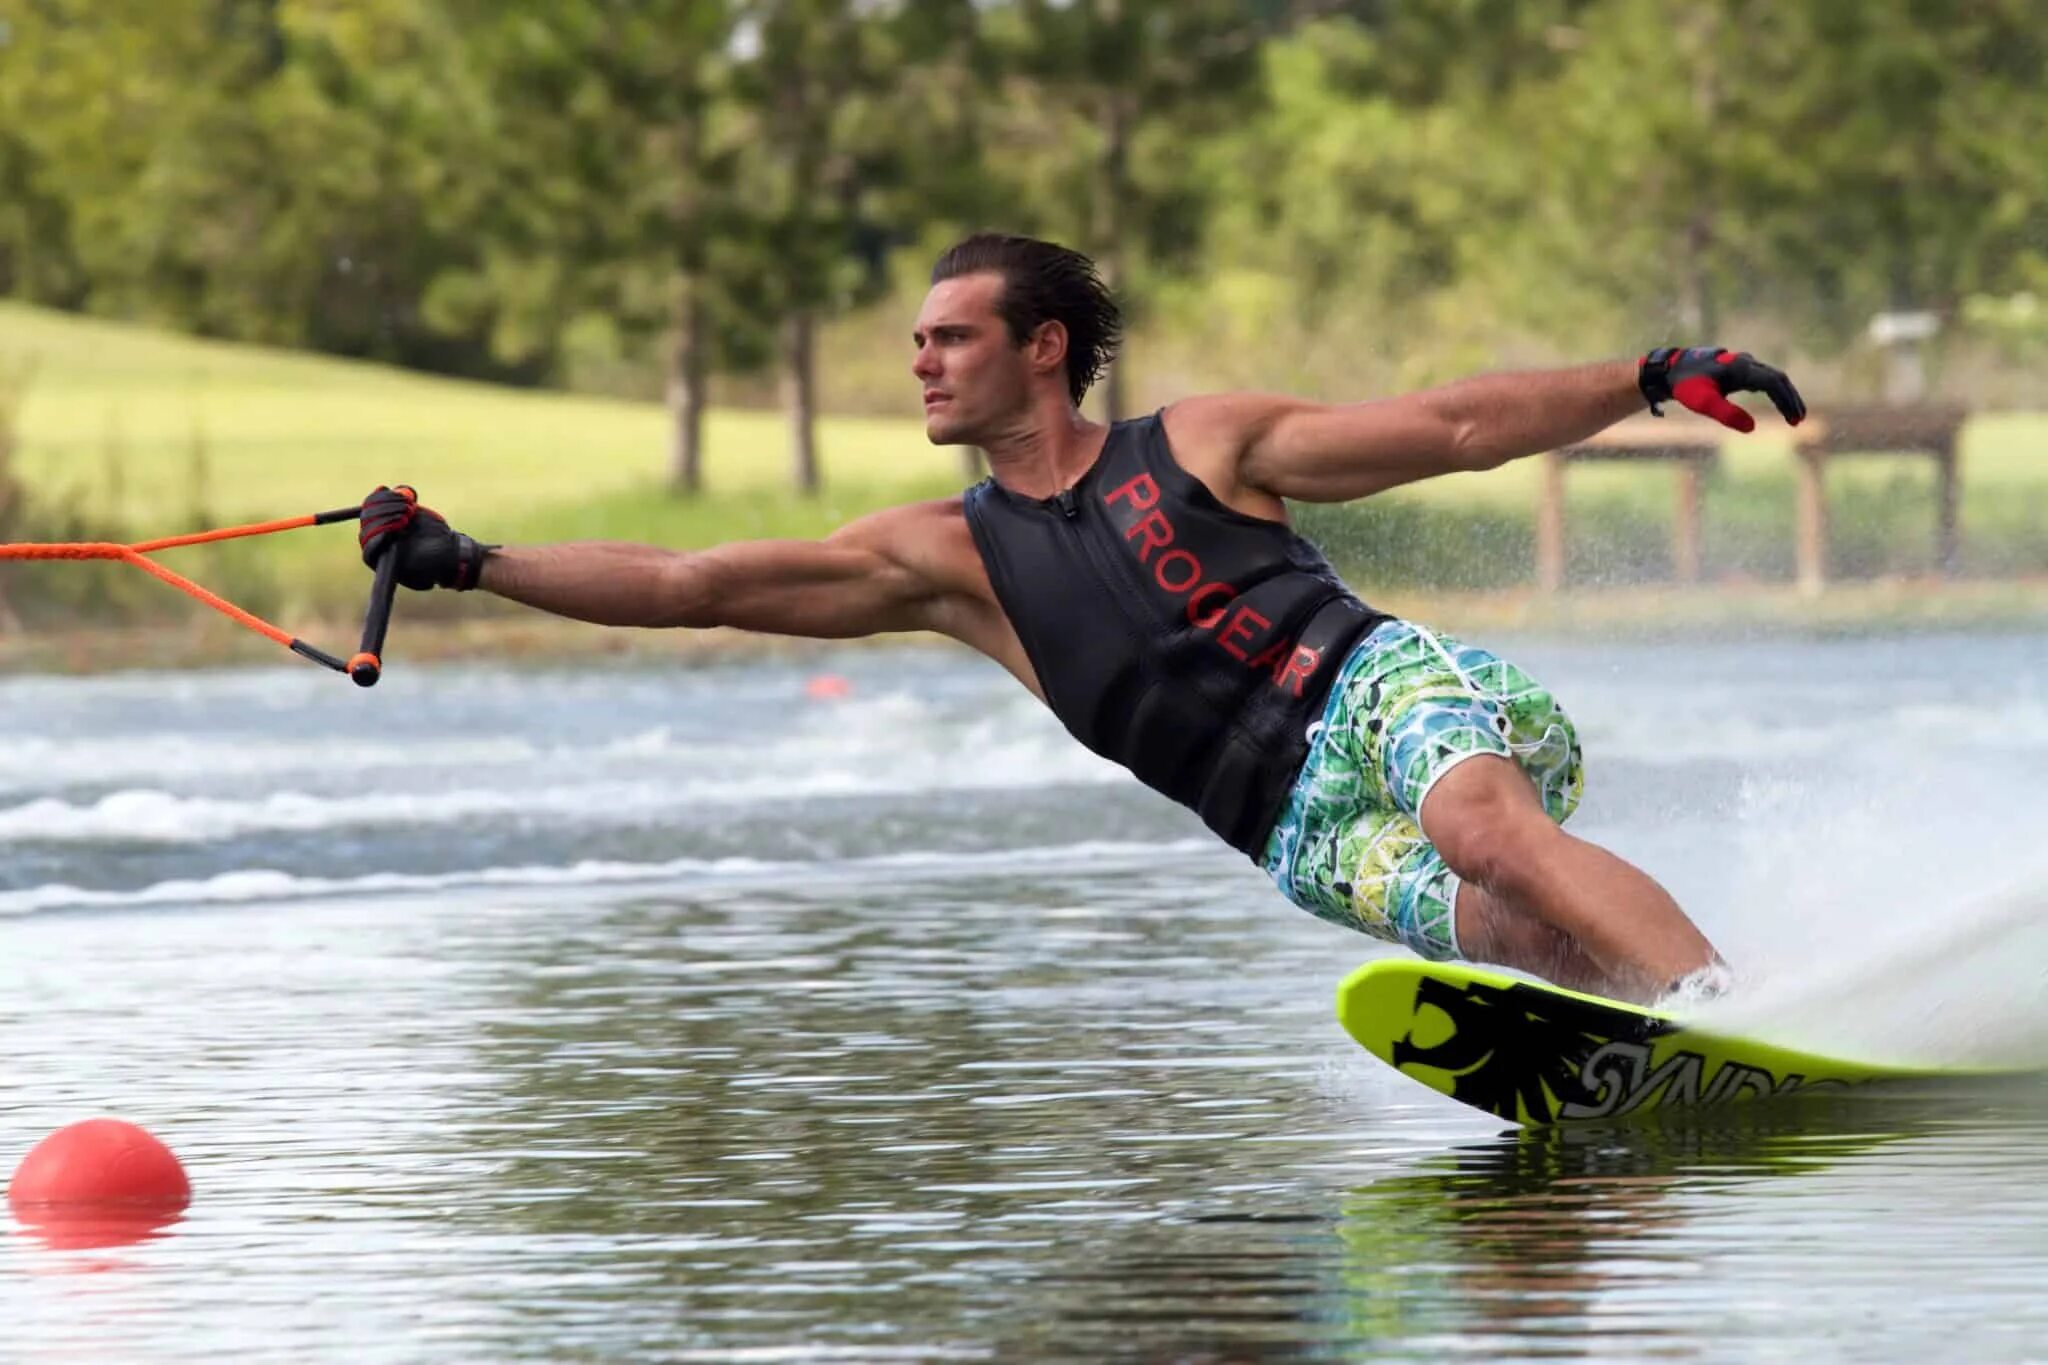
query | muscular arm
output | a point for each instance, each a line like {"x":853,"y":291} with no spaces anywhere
{"x":855,"y":582}
{"x":1318,"y":452}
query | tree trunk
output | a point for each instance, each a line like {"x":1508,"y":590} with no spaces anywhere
{"x":685,"y":388}
{"x":1116,"y":188}
{"x":799,"y":380}
{"x":686,"y":359}
{"x":802,"y":135}
{"x":1700,"y":312}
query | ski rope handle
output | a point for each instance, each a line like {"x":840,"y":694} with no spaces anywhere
{"x":364,"y":667}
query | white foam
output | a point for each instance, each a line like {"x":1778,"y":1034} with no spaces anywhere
{"x":885,"y":745}
{"x":32,"y":762}
{"x":1968,"y":987}
{"x":271,"y":885}
{"x":1701,"y":726}
{"x":726,"y":777}
{"x":1889,"y":905}
{"x":149,"y":816}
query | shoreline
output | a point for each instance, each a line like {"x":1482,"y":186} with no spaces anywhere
{"x":1647,"y":614}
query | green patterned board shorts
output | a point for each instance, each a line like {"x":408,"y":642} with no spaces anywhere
{"x":1408,"y":706}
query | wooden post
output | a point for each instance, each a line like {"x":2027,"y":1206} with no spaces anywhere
{"x":1690,"y":444}
{"x":1948,"y":539}
{"x":1932,"y":429}
{"x":1550,"y":524}
{"x":1685,"y":522}
{"x":1813,"y":521}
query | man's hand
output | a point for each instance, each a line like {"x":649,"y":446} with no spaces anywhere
{"x":1702,"y":377}
{"x":431,"y":554}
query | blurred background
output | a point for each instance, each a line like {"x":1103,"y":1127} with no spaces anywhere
{"x":839,"y":1006}
{"x":648,"y":269}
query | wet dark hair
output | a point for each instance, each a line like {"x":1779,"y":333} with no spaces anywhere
{"x":1045,"y":282}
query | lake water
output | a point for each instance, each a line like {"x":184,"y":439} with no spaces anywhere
{"x":628,"y":1012}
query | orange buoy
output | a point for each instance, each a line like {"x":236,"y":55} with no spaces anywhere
{"x":97,"y":1163}
{"x":827,"y":687}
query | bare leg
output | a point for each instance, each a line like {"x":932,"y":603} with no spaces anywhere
{"x":1483,"y":816}
{"x":1492,"y":931}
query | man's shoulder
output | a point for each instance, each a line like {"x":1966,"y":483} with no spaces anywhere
{"x":931,"y":540}
{"x":915,"y":518}
{"x":1235,"y":417}
{"x":927,"y":537}
{"x":934,"y":516}
{"x":1209,"y":435}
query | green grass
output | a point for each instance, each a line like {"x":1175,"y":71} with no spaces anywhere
{"x":130,"y":430}
{"x":114,"y":413}
{"x":127,"y":429}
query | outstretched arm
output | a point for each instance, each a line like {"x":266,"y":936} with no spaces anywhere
{"x":825,"y":589}
{"x":1319,"y":452}
{"x":1333,"y":453}
{"x":861,"y":580}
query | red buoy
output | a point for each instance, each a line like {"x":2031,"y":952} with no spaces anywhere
{"x":828,"y":687}
{"x":99,"y":1162}
{"x":94,"y":1227}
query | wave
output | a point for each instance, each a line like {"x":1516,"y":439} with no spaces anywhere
{"x":159,"y":817}
{"x":33,"y":762}
{"x":271,"y":885}
{"x":894,"y":742}
{"x":887,"y":746}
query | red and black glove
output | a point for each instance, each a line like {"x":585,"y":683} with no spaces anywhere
{"x":431,"y":554}
{"x":1702,"y":377}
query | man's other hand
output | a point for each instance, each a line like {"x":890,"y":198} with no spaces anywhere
{"x":1702,"y":377}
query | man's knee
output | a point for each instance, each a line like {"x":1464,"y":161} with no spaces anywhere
{"x":1486,"y":822}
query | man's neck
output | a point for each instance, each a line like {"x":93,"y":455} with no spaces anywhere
{"x":1045,"y":452}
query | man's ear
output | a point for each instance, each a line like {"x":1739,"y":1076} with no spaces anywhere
{"x":1047,"y":345}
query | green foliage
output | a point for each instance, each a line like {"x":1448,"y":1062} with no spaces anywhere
{"x":205,"y":432}
{"x":287,"y":432}
{"x":1337,"y":197}
{"x":593,"y":173}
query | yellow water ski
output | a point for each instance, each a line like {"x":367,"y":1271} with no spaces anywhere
{"x":1539,"y":1054}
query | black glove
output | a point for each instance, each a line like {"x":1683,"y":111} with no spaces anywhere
{"x":431,"y":554}
{"x":1702,"y":377}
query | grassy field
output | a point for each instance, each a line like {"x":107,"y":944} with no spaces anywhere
{"x":114,"y":414}
{"x":128,"y":427}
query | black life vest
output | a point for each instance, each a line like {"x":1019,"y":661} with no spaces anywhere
{"x":1186,"y":641}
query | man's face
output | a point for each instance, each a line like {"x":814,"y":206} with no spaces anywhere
{"x":974,"y":376}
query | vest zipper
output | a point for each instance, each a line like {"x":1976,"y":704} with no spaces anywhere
{"x":1113,"y":575}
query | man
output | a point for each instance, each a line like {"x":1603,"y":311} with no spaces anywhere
{"x":1142,"y":581}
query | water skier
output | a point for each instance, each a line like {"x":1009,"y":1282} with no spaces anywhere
{"x":1142,"y":580}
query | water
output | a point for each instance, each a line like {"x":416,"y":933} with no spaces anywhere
{"x":638,"y":1013}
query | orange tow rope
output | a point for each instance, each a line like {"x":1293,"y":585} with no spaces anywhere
{"x":365,"y":667}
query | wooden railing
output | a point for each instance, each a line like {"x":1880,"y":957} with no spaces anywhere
{"x":1924,"y":429}
{"x":1691,"y":445}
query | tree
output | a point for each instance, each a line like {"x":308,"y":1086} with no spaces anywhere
{"x":605,"y":166}
{"x":248,"y":169}
{"x":35,"y":237}
{"x":1816,"y":162}
{"x":824,"y":88}
{"x":1920,"y":177}
{"x":1111,"y":92}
